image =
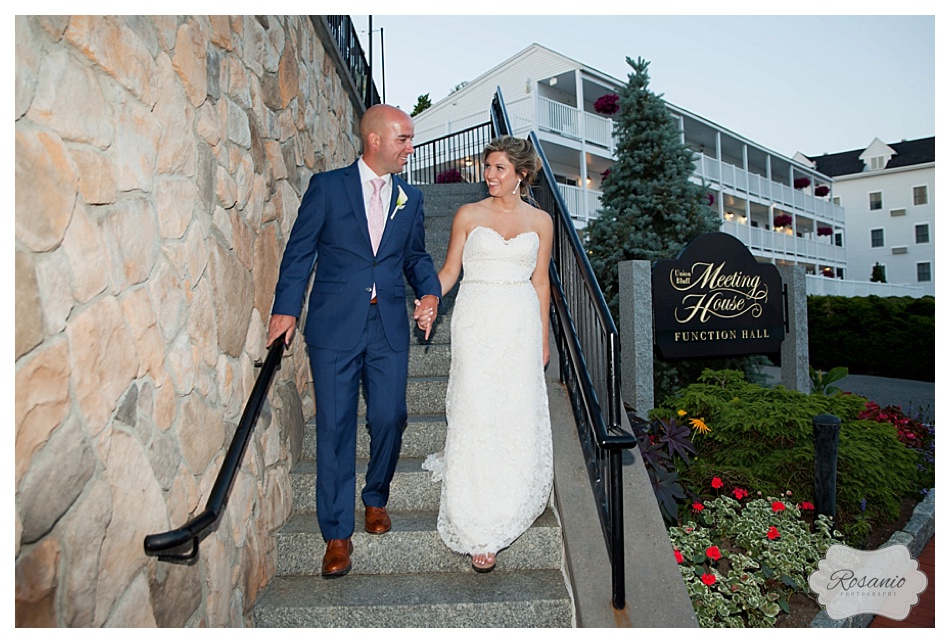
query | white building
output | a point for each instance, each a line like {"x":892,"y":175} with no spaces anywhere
{"x":887,"y":192}
{"x":753,"y":189}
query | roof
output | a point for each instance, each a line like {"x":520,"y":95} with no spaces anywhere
{"x":907,"y":153}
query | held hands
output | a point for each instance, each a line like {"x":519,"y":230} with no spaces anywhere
{"x":425,"y":313}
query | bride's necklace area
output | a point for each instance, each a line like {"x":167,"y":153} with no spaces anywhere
{"x":503,"y":209}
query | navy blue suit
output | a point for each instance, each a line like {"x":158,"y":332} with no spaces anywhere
{"x":350,"y":340}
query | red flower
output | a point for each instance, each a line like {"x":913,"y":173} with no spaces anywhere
{"x":739,"y":493}
{"x":716,"y":483}
{"x":708,"y":579}
{"x":778,"y":506}
{"x":713,"y":552}
{"x":678,"y":556}
{"x":698,"y":506}
{"x":773,"y":533}
{"x":807,"y":506}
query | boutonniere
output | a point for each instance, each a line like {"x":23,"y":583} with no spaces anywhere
{"x":401,"y":200}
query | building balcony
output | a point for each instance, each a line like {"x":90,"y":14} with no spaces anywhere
{"x":546,"y":115}
{"x":725,"y":176}
{"x":781,"y":245}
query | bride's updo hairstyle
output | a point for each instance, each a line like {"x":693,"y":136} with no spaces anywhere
{"x":521,"y":153}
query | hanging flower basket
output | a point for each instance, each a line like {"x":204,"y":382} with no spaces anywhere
{"x":782,"y":220}
{"x":824,"y":231}
{"x":712,"y":199}
{"x":605,"y":174}
{"x":607,"y":104}
{"x":822,"y":190}
{"x":802,"y":182}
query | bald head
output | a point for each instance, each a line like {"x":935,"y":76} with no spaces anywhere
{"x":387,"y":138}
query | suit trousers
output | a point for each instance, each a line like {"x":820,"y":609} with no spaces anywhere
{"x":337,"y":376}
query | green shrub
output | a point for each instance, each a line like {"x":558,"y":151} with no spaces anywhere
{"x":883,"y":336}
{"x":761,"y":439}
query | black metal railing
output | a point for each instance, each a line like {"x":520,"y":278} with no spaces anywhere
{"x":589,"y":348}
{"x":347,"y":41}
{"x":456,"y":158}
{"x":586,"y":336}
{"x":169,"y":546}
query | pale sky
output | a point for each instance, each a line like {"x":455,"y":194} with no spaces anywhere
{"x":810,"y":83}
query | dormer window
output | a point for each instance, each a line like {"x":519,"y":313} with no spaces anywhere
{"x":876,"y":163}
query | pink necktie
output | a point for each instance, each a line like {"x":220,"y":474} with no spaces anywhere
{"x":376,"y":216}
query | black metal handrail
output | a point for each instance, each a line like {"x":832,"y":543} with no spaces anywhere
{"x":456,"y":158}
{"x":589,"y":348}
{"x":167,"y":546}
{"x":347,"y":41}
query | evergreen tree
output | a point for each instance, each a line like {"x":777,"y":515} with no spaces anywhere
{"x":651,"y":208}
{"x":877,"y":273}
{"x":651,"y":211}
{"x":422,"y":104}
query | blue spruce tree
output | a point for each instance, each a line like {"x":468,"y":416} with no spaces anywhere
{"x":651,"y":208}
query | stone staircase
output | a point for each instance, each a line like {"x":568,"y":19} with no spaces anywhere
{"x":407,"y":577}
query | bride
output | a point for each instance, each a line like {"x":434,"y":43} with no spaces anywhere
{"x":497,"y":466}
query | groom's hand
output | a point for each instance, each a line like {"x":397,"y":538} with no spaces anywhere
{"x":281,"y":325}
{"x":425,"y":313}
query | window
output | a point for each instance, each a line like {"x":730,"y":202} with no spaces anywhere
{"x":922,"y":233}
{"x":836,"y":200}
{"x":876,"y":163}
{"x":839,"y":239}
{"x":923,"y":271}
{"x":875,"y":201}
{"x":920,"y":195}
{"x":877,"y":238}
{"x":898,"y":212}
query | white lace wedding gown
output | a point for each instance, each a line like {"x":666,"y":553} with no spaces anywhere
{"x":497,"y":467}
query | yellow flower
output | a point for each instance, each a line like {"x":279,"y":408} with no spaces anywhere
{"x":681,"y":413}
{"x":699,"y":424}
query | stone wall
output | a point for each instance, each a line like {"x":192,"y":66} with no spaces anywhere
{"x":160,"y":162}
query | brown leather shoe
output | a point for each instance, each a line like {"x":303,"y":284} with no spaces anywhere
{"x":377,"y":520}
{"x":336,"y":562}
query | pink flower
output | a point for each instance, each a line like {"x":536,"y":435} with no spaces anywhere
{"x":739,"y":493}
{"x":778,"y":506}
{"x":678,"y":556}
{"x":716,"y":483}
{"x":773,"y":533}
{"x":708,"y":579}
{"x":698,"y":506}
{"x":714,"y":553}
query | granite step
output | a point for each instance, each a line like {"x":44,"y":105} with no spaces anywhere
{"x":424,"y":434}
{"x":413,"y":546}
{"x":517,"y":598}
{"x":412,"y":488}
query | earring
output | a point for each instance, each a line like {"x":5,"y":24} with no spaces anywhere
{"x":515,"y":191}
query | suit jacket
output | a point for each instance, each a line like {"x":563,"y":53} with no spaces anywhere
{"x":331,"y":228}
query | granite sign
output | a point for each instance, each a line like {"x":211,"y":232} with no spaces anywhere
{"x":716,"y":300}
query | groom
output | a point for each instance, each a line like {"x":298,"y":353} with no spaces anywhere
{"x":364,"y":226}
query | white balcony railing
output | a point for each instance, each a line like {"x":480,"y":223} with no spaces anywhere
{"x":777,"y":244}
{"x":567,"y":121}
{"x":583,"y":205}
{"x":730,"y":176}
{"x":818,"y":285}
